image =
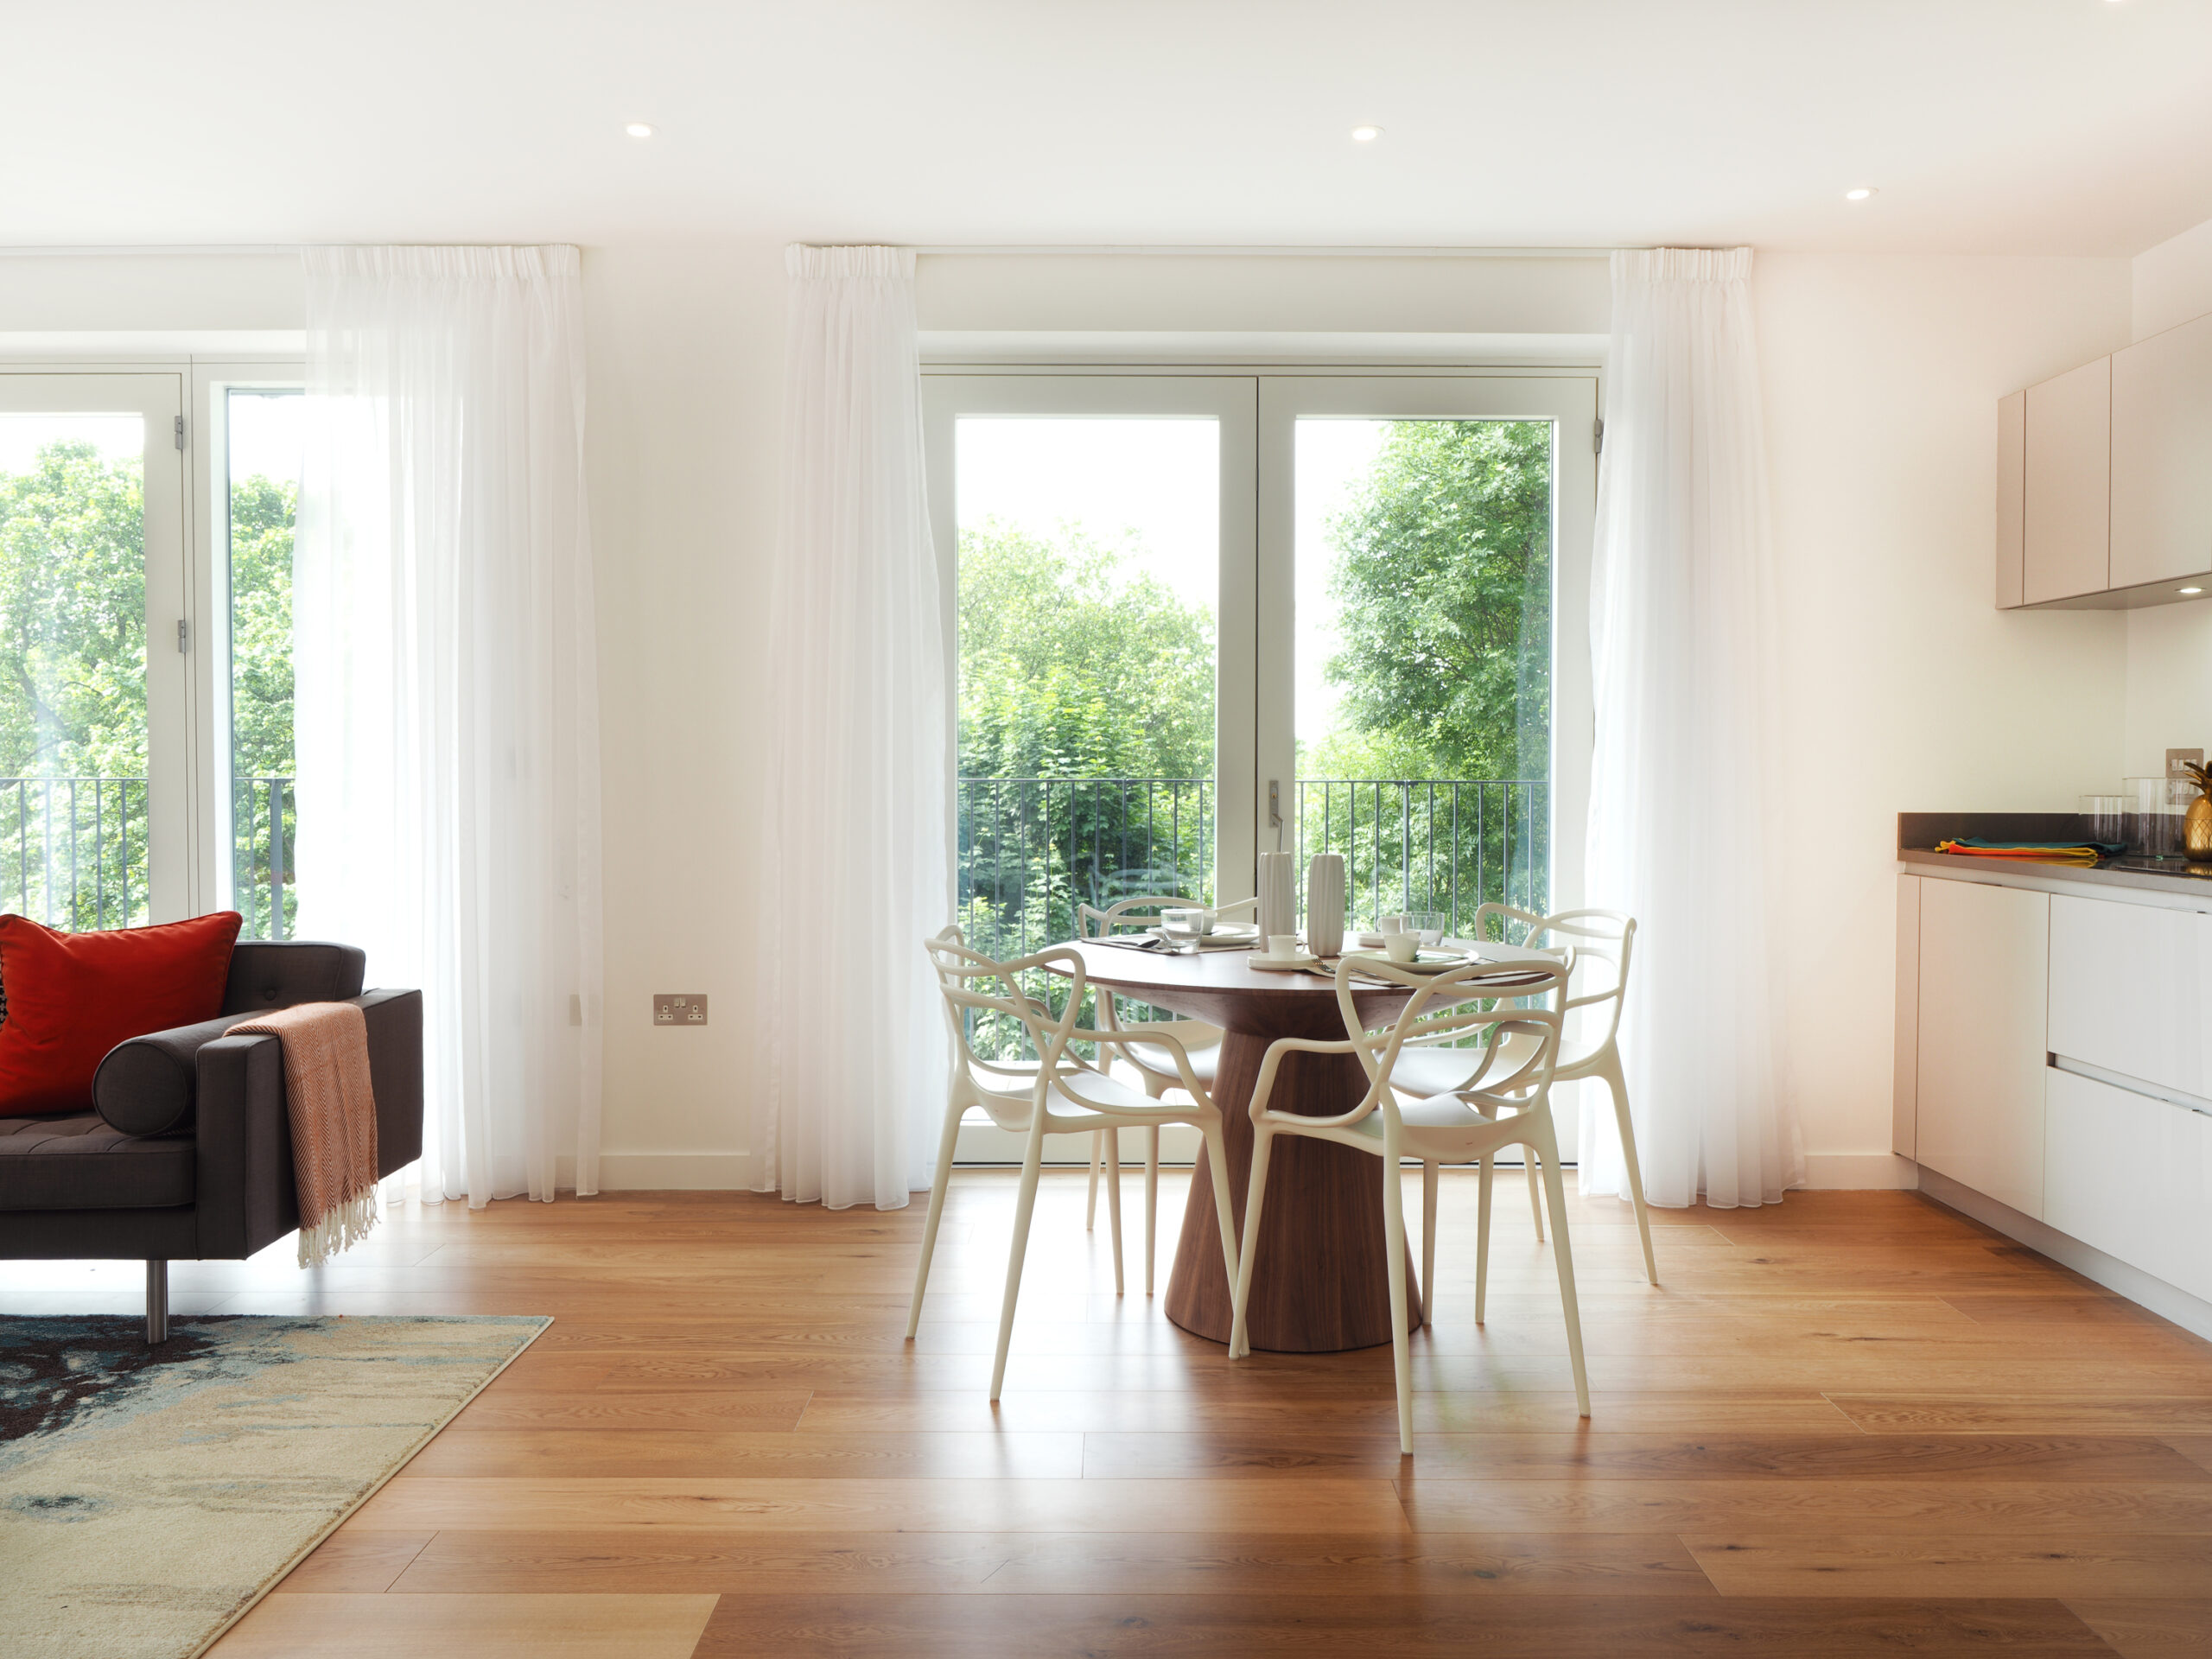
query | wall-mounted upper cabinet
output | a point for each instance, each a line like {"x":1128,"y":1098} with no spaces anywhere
{"x":2162,"y":457}
{"x":2067,"y":523}
{"x":2104,"y":480}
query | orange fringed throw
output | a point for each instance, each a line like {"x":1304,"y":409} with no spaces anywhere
{"x":333,"y":1111}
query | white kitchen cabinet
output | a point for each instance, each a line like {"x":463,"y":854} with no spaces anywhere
{"x":2161,"y":457}
{"x":1984,"y":973}
{"x":2011,"y":497}
{"x":2066,"y":532}
{"x":2131,"y":988}
{"x":2133,"y":1177}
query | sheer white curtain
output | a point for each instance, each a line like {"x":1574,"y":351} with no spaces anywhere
{"x":859,"y":735}
{"x":447,"y":705}
{"x":1682,"y":636}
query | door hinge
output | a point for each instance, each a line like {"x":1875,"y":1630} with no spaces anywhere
{"x":1597,"y":437}
{"x":183,"y":634}
{"x":179,"y":431}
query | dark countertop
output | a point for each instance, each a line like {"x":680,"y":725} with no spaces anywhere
{"x":1918,"y":832}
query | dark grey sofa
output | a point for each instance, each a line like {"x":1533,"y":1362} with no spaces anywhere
{"x":190,"y":1155}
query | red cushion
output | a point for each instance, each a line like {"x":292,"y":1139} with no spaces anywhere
{"x":71,"y":997}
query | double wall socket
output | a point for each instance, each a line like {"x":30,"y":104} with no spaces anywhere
{"x":679,"y":1008}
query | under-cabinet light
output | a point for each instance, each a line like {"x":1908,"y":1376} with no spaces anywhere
{"x":640,"y":130}
{"x":1366,"y":134}
{"x":1858,"y":193}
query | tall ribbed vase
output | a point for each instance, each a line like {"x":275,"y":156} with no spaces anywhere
{"x":1324,"y":904}
{"x":1278,"y":896}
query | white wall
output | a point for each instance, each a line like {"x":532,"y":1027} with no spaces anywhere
{"x":2170,"y":646}
{"x":1904,"y":689}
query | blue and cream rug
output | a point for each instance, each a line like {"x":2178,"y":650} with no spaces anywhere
{"x":149,"y":1496}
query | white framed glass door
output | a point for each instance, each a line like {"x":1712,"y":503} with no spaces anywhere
{"x":95,"y":796}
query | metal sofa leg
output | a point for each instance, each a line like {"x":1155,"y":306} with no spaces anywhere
{"x":157,"y":1303}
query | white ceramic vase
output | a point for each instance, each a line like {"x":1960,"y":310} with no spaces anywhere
{"x":1324,"y":904}
{"x":1277,"y":896}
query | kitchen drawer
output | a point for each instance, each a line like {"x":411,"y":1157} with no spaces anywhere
{"x":2129,"y":985}
{"x":2132,"y":1176}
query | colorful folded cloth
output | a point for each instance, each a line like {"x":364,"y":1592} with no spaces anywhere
{"x":2037,"y":852}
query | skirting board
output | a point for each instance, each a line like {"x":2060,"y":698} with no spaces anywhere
{"x":1859,"y":1172}
{"x":2168,"y":1301}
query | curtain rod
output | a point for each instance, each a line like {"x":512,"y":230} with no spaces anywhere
{"x":1168,"y":250}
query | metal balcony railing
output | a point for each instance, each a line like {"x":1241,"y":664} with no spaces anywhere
{"x":1446,"y":845}
{"x":74,"y":852}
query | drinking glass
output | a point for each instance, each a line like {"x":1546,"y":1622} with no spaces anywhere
{"x":2106,"y":818}
{"x":1428,"y":924}
{"x":1182,"y":929}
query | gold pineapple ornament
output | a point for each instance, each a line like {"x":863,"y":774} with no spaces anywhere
{"x":2196,"y":828}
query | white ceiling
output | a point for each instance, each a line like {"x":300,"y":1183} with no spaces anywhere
{"x":2054,"y":126}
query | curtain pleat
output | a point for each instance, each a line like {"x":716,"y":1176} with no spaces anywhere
{"x":856,"y":846}
{"x":1681,"y":633}
{"x":447,"y":694}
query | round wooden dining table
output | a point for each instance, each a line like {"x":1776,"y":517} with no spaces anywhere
{"x":1321,"y":1282}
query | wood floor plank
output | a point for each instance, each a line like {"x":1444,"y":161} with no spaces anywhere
{"x":681,"y":1451}
{"x":2027,"y":1414}
{"x":366,"y":1562}
{"x":1648,"y":1457}
{"x":484,"y":1626}
{"x":2149,"y":1629}
{"x":503,"y":1505}
{"x":1349,"y":1564}
{"x":606,"y":1410}
{"x":2196,"y":1447}
{"x":1942,"y":1508}
{"x":1986,"y":1564}
{"x":1386,"y":1627}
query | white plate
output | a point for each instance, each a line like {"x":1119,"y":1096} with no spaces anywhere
{"x":1430,"y":961}
{"x":1281,"y":964}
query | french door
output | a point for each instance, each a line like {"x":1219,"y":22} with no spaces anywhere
{"x":95,"y":714}
{"x":1194,"y":614}
{"x":146,"y":756}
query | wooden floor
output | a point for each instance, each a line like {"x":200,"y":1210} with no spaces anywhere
{"x":1850,"y":1423}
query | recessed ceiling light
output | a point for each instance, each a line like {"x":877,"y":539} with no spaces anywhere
{"x":641,"y":130}
{"x":1366,"y":134}
{"x":1858,"y":193}
{"x":2189,"y":593}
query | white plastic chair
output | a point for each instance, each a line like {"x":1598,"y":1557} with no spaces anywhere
{"x":1507,"y":1102}
{"x":1061,"y":1094}
{"x":1201,"y":1047}
{"x":1602,"y":941}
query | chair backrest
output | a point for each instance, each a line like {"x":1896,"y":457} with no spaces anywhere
{"x":1596,"y":936}
{"x":971,"y":981}
{"x":1091,"y":923}
{"x":1469,"y":1001}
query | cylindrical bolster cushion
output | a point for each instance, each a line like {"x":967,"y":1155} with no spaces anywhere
{"x":146,"y":1085}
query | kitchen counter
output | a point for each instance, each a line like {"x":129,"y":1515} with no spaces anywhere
{"x":1918,"y":832}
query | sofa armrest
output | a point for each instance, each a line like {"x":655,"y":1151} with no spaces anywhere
{"x":395,"y":1022}
{"x":246,"y":1198}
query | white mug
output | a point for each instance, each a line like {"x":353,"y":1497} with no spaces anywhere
{"x":1401,"y":946}
{"x":1390,"y":924}
{"x":1282,"y":946}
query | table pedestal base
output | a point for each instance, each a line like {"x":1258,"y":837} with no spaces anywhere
{"x":1321,"y":1282}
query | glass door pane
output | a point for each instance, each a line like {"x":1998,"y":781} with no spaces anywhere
{"x":1088,"y":573}
{"x":90,"y":720}
{"x":261,"y":450}
{"x":1423,"y":652}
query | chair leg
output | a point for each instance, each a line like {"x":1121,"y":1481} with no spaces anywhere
{"x":157,"y":1303}
{"x":948,"y":1143}
{"x":1555,"y":1192}
{"x":1023,"y":1204}
{"x":1536,"y":1190}
{"x":1482,"y":1235}
{"x":1151,"y":1201}
{"x":1225,"y":1222}
{"x":1098,"y":1151}
{"x":1114,"y":1198}
{"x":1616,"y":1086}
{"x":1394,"y":1242}
{"x":1427,"y":1241}
{"x":1255,"y":1194}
